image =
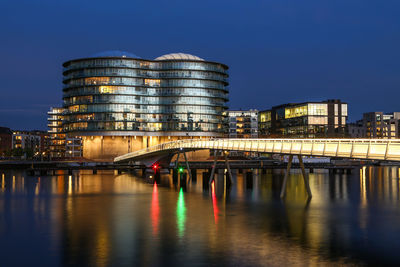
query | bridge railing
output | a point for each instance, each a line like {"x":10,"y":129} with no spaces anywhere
{"x":379,"y":149}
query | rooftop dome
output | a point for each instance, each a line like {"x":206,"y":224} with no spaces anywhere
{"x":179,"y":56}
{"x":115,"y":53}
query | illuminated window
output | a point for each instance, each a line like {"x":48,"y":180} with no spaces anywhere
{"x":317,"y":120}
{"x":107,"y":89}
{"x":318,"y":109}
{"x":144,"y":64}
{"x":266,"y":116}
{"x":344,"y":109}
{"x":152,"y":82}
{"x":97,"y":80}
{"x":293,"y":112}
{"x":74,"y":108}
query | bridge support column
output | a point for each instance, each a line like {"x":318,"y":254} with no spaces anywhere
{"x":187,"y":166}
{"x":305,"y":177}
{"x":175,"y":176}
{"x":177,"y":160}
{"x":228,"y":167}
{"x":213,"y":168}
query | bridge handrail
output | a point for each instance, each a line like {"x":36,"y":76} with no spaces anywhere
{"x":283,"y":146}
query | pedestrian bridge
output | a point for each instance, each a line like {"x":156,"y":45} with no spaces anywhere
{"x":368,"y":149}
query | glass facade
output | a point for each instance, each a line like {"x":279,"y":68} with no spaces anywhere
{"x":305,"y":120}
{"x":184,"y":95}
{"x":60,"y":145}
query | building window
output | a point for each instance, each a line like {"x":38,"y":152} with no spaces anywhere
{"x":152,"y":82}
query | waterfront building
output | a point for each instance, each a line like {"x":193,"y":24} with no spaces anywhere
{"x":119,"y":103}
{"x":57,"y":136}
{"x":356,"y":129}
{"x":381,"y":125}
{"x":305,"y":120}
{"x":242,"y":123}
{"x":5,"y":140}
{"x":61,"y":146}
{"x":26,"y":140}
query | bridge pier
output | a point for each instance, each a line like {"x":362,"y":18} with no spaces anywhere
{"x":194,"y":175}
{"x":187,"y":166}
{"x":175,"y":176}
{"x":157,"y":176}
{"x":183,"y":180}
{"x":206,"y":176}
{"x":228,"y":167}
{"x":305,"y":176}
{"x":303,"y":171}
{"x":213,"y":168}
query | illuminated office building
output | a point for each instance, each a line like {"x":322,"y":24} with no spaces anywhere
{"x":119,"y":103}
{"x":304,"y":120}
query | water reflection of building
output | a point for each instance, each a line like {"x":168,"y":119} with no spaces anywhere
{"x":103,"y":220}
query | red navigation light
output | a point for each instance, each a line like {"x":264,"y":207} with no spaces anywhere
{"x":155,"y":166}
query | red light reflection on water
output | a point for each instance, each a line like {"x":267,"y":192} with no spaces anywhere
{"x":214,"y":201}
{"x":155,"y":210}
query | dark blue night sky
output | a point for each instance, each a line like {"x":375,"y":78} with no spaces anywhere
{"x":278,"y":51}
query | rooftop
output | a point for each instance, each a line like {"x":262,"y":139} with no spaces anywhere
{"x":115,"y":53}
{"x":179,"y":56}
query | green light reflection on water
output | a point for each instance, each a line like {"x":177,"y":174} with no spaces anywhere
{"x":181,"y":214}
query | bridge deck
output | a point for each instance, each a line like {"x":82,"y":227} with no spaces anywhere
{"x":377,"y":149}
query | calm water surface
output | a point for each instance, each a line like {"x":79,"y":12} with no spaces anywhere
{"x":119,"y":220}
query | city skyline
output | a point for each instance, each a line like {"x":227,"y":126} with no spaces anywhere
{"x":277,"y":52}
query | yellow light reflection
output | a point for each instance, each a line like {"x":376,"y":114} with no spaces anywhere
{"x":363,"y":186}
{"x":37,"y":187}
{"x":69,"y":185}
{"x":3,"y":183}
{"x":102,"y":247}
{"x":363,"y":198}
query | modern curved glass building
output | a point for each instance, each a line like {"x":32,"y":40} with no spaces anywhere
{"x":119,"y":102}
